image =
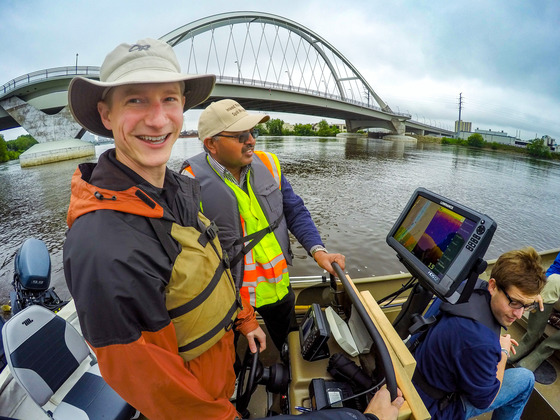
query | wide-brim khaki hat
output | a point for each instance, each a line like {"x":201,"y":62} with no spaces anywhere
{"x":226,"y":115}
{"x":146,"y":61}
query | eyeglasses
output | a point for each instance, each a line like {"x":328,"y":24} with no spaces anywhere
{"x":243,"y":137}
{"x":515,"y":304}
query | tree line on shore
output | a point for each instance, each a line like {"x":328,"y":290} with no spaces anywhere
{"x":11,"y":149}
{"x":275,"y":127}
{"x":536,"y":148}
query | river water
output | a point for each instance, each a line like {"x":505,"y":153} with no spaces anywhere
{"x":355,"y":188}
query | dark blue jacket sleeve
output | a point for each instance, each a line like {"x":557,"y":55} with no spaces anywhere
{"x":298,"y":217}
{"x":555,"y":267}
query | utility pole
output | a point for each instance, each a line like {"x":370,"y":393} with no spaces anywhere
{"x":460,"y":106}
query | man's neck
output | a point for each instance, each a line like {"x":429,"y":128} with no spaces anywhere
{"x":236,"y":173}
{"x":153,"y":175}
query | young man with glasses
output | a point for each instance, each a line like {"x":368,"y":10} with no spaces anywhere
{"x":245,"y":192}
{"x":529,"y":356}
{"x":461,"y":363}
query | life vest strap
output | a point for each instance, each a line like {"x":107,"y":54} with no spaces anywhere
{"x":209,"y":232}
{"x":226,"y":323}
{"x":254,"y":239}
{"x":201,"y":297}
{"x":165,"y":239}
{"x":443,"y":398}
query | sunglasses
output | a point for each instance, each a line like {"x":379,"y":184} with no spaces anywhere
{"x":242,"y":137}
{"x":515,"y":304}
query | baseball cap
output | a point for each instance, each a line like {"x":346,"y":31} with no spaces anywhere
{"x":146,"y":61}
{"x":226,"y":115}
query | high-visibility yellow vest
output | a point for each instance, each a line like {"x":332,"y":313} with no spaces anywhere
{"x":264,"y":274}
{"x":266,"y":277}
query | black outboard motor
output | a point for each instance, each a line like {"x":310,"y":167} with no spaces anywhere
{"x":32,"y":277}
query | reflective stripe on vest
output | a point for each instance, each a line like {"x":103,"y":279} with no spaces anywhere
{"x":201,"y":295}
{"x":272,"y":164}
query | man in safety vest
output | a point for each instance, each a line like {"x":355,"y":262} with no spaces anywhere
{"x":245,"y":193}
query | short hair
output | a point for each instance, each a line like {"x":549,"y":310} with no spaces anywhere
{"x":521,"y":268}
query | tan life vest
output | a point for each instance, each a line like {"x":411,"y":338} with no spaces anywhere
{"x":201,"y":297}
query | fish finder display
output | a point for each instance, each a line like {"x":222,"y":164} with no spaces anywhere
{"x":434,"y":234}
{"x":439,"y":240}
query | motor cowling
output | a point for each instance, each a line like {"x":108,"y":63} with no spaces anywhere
{"x":33,"y":265}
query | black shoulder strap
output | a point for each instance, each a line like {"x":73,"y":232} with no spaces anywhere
{"x":477,"y":308}
{"x":443,"y":398}
{"x":254,"y":239}
{"x":165,"y":239}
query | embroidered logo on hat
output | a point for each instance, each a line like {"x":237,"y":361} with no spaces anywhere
{"x":139,"y":47}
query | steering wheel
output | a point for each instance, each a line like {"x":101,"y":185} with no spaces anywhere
{"x":382,"y":351}
{"x":244,"y":391}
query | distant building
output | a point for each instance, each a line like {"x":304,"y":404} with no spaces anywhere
{"x":189,"y":133}
{"x":550,"y":142}
{"x":490,"y":136}
{"x":341,"y":127}
{"x":288,"y":127}
{"x":464,"y":126}
{"x":502,"y":137}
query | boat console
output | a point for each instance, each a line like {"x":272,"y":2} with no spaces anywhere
{"x":340,"y":356}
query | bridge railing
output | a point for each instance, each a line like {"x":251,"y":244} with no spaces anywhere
{"x":300,"y":89}
{"x":37,"y":76}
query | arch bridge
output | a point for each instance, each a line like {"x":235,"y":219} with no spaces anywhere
{"x":265,"y":62}
{"x":270,"y":63}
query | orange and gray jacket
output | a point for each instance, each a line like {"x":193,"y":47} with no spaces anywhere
{"x":150,"y":288}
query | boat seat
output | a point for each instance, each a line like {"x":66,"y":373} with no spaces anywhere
{"x":43,"y":351}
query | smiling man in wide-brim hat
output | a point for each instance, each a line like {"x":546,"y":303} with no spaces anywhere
{"x":139,"y":101}
{"x":147,"y":61}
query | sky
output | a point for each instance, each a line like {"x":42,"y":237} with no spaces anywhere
{"x":501,"y":56}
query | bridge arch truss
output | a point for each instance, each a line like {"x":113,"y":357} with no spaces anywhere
{"x":252,"y":46}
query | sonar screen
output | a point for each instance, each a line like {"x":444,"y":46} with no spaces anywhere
{"x":439,"y":241}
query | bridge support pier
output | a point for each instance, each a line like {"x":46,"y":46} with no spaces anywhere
{"x":56,"y":151}
{"x":399,"y":126}
{"x":399,"y":136}
{"x":58,"y":135}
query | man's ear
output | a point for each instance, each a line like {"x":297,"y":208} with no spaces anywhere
{"x":492,"y":286}
{"x":103,"y":110}
{"x":210,"y":144}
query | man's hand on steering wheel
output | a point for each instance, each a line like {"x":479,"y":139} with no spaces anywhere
{"x":259,"y":335}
